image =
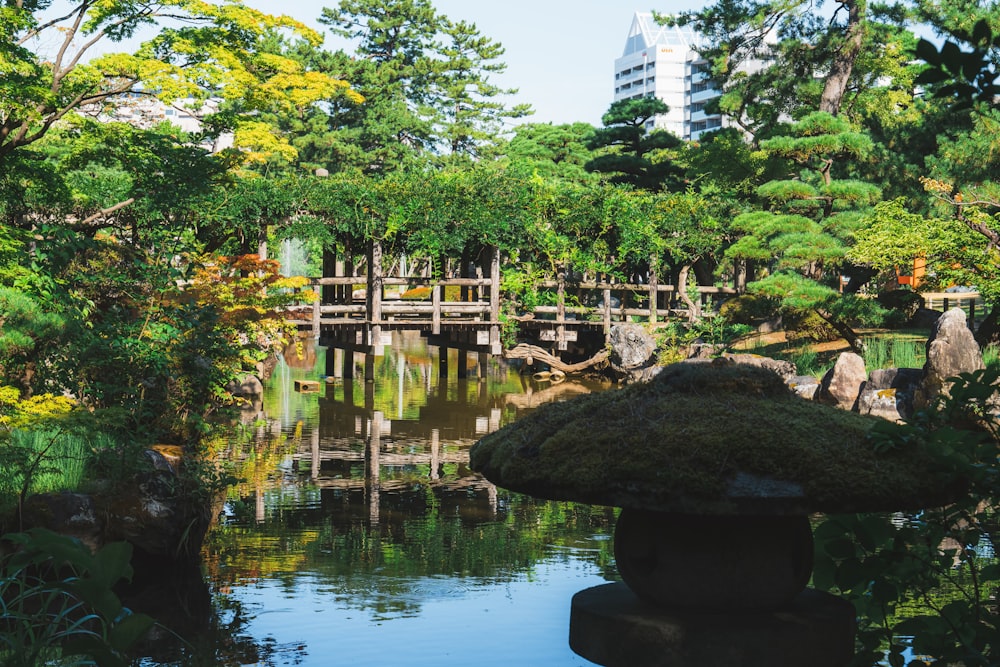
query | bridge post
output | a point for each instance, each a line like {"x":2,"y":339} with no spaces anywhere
{"x":654,"y":288}
{"x":329,"y":292}
{"x":607,"y":312}
{"x":495,"y":344}
{"x":442,"y":364}
{"x":436,"y":309}
{"x":561,"y":311}
{"x":374,"y":297}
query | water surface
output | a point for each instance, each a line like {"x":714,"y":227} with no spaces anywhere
{"x":360,"y":537}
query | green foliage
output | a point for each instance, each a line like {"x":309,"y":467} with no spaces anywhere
{"x":632,"y":154}
{"x":930,"y":577}
{"x":893,"y":352}
{"x":58,"y":603}
{"x":553,"y":151}
{"x":198,"y":50}
{"x":964,"y":77}
{"x":41,"y":461}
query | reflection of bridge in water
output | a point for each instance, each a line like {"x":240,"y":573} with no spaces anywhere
{"x":402,"y":432}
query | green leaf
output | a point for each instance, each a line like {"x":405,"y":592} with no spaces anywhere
{"x":851,"y":576}
{"x":129,"y":630}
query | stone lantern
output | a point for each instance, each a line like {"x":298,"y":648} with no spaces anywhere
{"x":717,"y":468}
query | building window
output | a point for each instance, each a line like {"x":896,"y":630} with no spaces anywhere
{"x":699,"y":87}
{"x":650,"y":66}
{"x":697,"y":106}
{"x":650,"y":80}
{"x":700,"y":126}
{"x":713,"y":123}
{"x":169,"y":112}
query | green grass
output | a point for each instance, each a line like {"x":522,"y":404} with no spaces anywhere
{"x":41,"y":461}
{"x":894,"y":351}
{"x":991,"y":356}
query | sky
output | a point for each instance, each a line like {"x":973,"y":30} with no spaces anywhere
{"x":560,"y":54}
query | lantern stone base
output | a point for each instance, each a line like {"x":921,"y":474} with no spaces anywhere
{"x":609,"y":625}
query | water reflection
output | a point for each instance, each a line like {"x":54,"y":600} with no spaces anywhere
{"x":359,"y":536}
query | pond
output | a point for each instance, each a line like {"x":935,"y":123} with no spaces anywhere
{"x":359,"y":536}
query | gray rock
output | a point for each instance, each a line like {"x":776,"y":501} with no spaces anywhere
{"x":785,"y":369}
{"x":842,"y":383}
{"x":804,"y":386}
{"x":631,"y":347}
{"x":67,"y":513}
{"x":889,"y":393}
{"x":951,"y":350}
{"x":249,"y":387}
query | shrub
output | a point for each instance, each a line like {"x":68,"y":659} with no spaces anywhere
{"x":58,"y":603}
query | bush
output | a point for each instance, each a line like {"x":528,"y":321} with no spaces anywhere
{"x":58,"y":603}
{"x":808,"y":325}
{"x":749,"y":309}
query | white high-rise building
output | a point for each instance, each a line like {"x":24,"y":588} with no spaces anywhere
{"x":661,"y":61}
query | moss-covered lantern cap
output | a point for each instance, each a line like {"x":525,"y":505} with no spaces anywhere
{"x":709,"y":438}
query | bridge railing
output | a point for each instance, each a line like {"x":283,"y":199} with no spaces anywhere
{"x":572,"y":304}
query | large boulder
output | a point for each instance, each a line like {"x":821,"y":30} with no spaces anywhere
{"x":632,"y":347}
{"x":889,"y":393}
{"x":152,"y":512}
{"x":842,"y":383}
{"x":67,"y":513}
{"x":784,"y":369}
{"x":951,"y":349}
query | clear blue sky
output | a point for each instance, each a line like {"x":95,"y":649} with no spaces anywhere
{"x":560,"y":53}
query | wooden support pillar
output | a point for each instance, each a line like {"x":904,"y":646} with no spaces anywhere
{"x":495,"y":344}
{"x":329,"y":292}
{"x":314,"y":451}
{"x":464,"y":272}
{"x":334,"y":366}
{"x":317,"y":313}
{"x":654,"y":289}
{"x":561,"y":311}
{"x":374,"y":298}
{"x":435,"y":454}
{"x":347,"y":291}
{"x":369,"y":382}
{"x":373,"y":471}
{"x":442,"y":364}
{"x":607,"y":312}
{"x":348,"y":358}
{"x":436,"y":309}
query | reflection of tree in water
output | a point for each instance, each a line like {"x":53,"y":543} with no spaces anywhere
{"x":392,"y":567}
{"x":195,"y":627}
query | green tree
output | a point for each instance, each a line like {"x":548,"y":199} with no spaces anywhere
{"x":633,"y":153}
{"x":772,"y":60}
{"x":553,"y":151}
{"x":804,"y":234}
{"x":210,"y":50}
{"x":470,"y":113}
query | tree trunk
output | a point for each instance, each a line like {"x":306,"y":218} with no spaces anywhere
{"x":848,"y":334}
{"x":843,"y":60}
{"x":694,"y":308}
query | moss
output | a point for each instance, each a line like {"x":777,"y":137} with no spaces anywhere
{"x":680,"y":441}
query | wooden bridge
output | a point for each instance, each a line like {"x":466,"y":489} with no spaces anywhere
{"x":358,"y":313}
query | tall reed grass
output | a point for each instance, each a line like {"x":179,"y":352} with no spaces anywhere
{"x":40,"y":461}
{"x":893,"y":352}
